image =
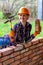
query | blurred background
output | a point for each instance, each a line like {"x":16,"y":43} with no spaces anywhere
{"x":11,"y":7}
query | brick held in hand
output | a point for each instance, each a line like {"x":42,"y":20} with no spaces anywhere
{"x":38,"y":29}
{"x":37,"y":22}
{"x":37,"y":26}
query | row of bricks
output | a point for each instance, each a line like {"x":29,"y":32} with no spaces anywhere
{"x":26,"y":51}
{"x":24,"y":60}
{"x":32,"y":48}
{"x":30,"y":61}
{"x":11,"y":49}
{"x":28,"y":55}
{"x":23,"y":53}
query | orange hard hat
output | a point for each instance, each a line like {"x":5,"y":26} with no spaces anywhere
{"x":23,"y":10}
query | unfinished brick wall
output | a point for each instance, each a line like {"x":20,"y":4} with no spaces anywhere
{"x":30,"y":53}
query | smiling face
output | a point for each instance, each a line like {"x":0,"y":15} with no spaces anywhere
{"x":23,"y":18}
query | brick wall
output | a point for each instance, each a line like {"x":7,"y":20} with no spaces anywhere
{"x":30,"y":53}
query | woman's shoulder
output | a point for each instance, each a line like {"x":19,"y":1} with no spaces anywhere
{"x":28,"y":24}
{"x":17,"y":24}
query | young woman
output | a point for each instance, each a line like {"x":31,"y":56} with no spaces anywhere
{"x":21,"y":31}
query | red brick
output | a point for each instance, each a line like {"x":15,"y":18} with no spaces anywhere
{"x":8,"y":61}
{"x":22,"y":51}
{"x":16,"y":53}
{"x":33,"y":47}
{"x":6,"y":57}
{"x":36,"y":50}
{"x":32,"y":55}
{"x":27,"y":61}
{"x":0,"y":63}
{"x":36,"y":63}
{"x":11,"y":55}
{"x":41,"y":47}
{"x":41,"y":62}
{"x":40,"y":44}
{"x":18,"y":48}
{"x":42,"y":54}
{"x":27,"y":45}
{"x":35,"y":42}
{"x":22,"y":64}
{"x":22,"y":55}
{"x":1,"y":54}
{"x":24,"y":59}
{"x":17,"y":57}
{"x":28,"y":53}
{"x":39,"y":52}
{"x":7,"y":51}
{"x":36,"y":57}
{"x":27,"y":49}
{"x":32,"y":63}
{"x":38,"y":60}
{"x":15,"y":63}
{"x":41,"y":40}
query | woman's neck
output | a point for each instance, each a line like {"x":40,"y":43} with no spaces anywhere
{"x":23,"y":23}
